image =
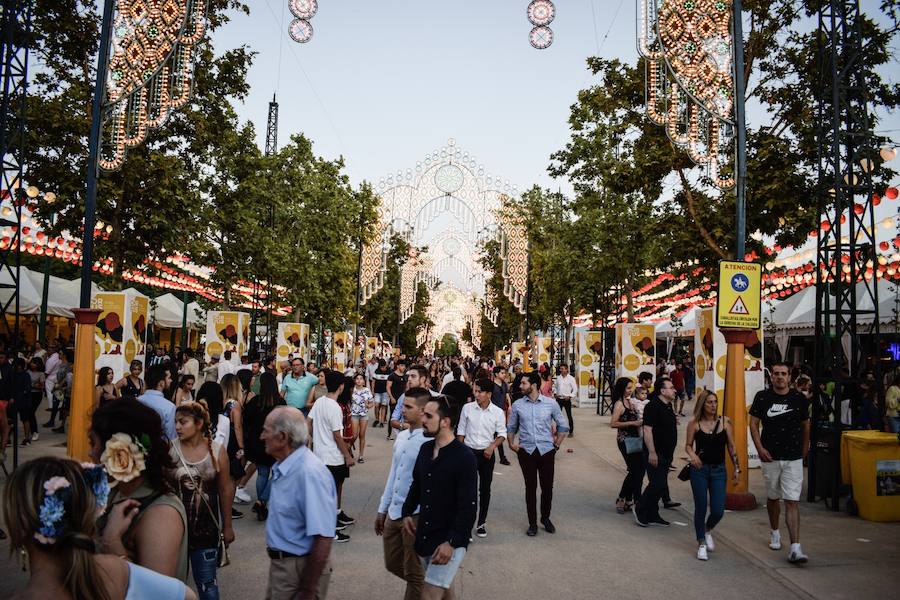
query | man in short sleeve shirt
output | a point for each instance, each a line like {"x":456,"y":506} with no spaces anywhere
{"x":782,"y":446}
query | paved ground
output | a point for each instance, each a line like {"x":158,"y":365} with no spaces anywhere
{"x":596,"y":552}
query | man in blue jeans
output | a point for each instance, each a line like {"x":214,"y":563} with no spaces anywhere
{"x":660,"y":438}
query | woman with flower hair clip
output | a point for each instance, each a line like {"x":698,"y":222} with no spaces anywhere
{"x":202,"y":480}
{"x":51,"y":505}
{"x":146,"y":522}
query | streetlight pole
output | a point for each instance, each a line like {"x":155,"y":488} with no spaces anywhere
{"x":90,"y":198}
{"x":741,"y":138}
{"x":50,"y":198}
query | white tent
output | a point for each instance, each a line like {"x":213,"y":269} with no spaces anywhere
{"x":62,"y":294}
{"x":665,"y":329}
{"x":169,"y":313}
{"x":797,"y":314}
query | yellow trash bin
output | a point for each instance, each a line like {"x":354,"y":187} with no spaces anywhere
{"x":870,"y":462}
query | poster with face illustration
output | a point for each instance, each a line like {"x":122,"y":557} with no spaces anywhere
{"x":635,"y":349}
{"x":140,"y":309}
{"x":710,"y":358}
{"x":371,"y":347}
{"x":293,"y":341}
{"x":541,"y":347}
{"x":227,"y":331}
{"x":121,"y":332}
{"x":520,"y":350}
{"x":589,"y":348}
{"x":339,"y":350}
{"x":501,"y":357}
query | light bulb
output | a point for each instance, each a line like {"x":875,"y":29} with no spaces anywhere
{"x":888,"y":153}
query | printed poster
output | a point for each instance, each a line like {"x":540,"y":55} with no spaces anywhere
{"x":371,"y":348}
{"x":589,"y":346}
{"x":887,"y":478}
{"x":227,"y":331}
{"x":293,"y":341}
{"x":339,"y":352}
{"x":121,"y":332}
{"x":542,"y":349}
{"x":635,"y":349}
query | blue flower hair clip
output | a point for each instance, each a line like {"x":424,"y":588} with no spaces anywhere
{"x":56,"y":491}
{"x":96,"y":478}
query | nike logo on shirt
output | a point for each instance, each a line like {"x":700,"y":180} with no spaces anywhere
{"x":776,"y":410}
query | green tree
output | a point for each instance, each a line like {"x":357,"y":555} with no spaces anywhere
{"x":149,"y":203}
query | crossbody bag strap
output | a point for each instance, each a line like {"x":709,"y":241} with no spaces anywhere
{"x":197,"y":485}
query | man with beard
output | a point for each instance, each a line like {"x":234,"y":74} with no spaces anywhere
{"x":444,"y":488}
{"x":531,"y":437}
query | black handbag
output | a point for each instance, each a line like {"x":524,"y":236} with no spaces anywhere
{"x":685,"y":473}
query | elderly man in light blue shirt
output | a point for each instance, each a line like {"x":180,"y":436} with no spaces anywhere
{"x":158,"y":379}
{"x":530,"y":435}
{"x":295,"y":386}
{"x":400,"y":557}
{"x":303,"y":501}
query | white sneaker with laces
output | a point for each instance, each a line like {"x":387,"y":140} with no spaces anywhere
{"x":34,"y":437}
{"x":242,"y":496}
{"x":796,"y":556}
{"x":710,"y":543}
{"x":701,"y":552}
{"x":775,"y":540}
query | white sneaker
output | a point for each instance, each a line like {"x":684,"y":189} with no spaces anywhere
{"x":34,"y":437}
{"x":775,"y":540}
{"x":242,"y":496}
{"x":796,"y":556}
{"x":710,"y":543}
{"x":701,"y":552}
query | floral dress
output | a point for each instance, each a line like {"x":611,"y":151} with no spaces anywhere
{"x":359,"y":406}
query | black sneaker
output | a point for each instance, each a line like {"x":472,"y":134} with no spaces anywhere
{"x":340,"y":537}
{"x":504,"y":461}
{"x":343,"y":519}
{"x":532,"y":531}
{"x":236,"y":514}
{"x":659,"y":522}
{"x":671,"y":505}
{"x":340,"y":526}
{"x":481,"y":531}
{"x":637,"y":519}
{"x":548,"y":525}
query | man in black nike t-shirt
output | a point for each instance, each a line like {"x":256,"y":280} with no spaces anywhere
{"x":782,"y":446}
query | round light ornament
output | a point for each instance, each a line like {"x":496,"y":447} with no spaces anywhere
{"x":301,"y":31}
{"x":541,"y":37}
{"x":541,"y":12}
{"x":449,"y":179}
{"x":304,"y":9}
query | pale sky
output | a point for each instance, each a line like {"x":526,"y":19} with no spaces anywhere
{"x":384,"y":82}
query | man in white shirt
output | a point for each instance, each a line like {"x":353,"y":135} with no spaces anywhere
{"x":565,"y":389}
{"x":226,"y":366}
{"x":326,"y":424}
{"x":449,"y":376}
{"x":50,"y":369}
{"x":400,"y":557}
{"x":482,"y":428}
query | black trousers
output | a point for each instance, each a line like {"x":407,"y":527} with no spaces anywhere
{"x":631,"y":487}
{"x":566,"y":405}
{"x":536,"y":467}
{"x":485,"y":468}
{"x":647,"y":506}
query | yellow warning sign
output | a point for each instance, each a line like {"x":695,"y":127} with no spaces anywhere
{"x":738,"y":302}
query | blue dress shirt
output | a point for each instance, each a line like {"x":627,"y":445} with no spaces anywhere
{"x":302,"y":504}
{"x":531,"y":420}
{"x":165,"y":409}
{"x":403,"y":461}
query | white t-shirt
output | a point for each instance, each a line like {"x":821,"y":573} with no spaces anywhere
{"x":327,"y":418}
{"x":447,"y":379}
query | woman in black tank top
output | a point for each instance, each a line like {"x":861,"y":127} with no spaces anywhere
{"x":707,"y":437}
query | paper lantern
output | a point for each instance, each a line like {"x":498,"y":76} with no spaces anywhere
{"x":891,"y":193}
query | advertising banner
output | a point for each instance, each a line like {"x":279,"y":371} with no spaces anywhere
{"x":635,"y":349}
{"x":293,"y":341}
{"x":542,"y":349}
{"x":589,"y":348}
{"x":501,"y":357}
{"x":120,"y":335}
{"x":339,"y":353}
{"x":227,"y":331}
{"x":371,"y":347}
{"x":519,"y":350}
{"x":710,"y":358}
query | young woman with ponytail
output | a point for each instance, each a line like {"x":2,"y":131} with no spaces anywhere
{"x":202,"y":480}
{"x":51,"y":505}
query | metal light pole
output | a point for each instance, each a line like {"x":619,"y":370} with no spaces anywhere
{"x":90,"y":198}
{"x":740,"y":85}
{"x":50,"y":198}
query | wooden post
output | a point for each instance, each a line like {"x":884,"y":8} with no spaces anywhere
{"x":738,"y":496}
{"x":82,"y":403}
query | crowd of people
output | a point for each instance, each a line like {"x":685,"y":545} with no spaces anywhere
{"x":178,"y":445}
